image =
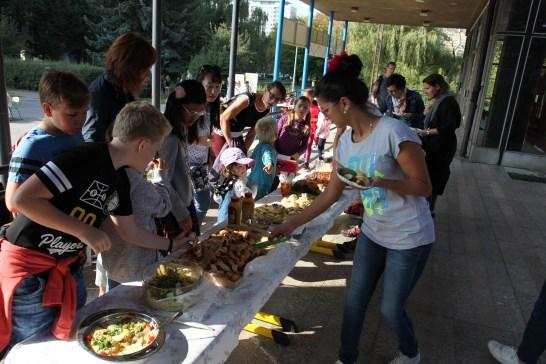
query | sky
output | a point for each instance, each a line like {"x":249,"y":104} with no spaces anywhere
{"x":303,"y":8}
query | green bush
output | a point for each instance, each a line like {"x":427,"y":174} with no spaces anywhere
{"x":25,"y":75}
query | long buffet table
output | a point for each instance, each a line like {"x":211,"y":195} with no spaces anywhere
{"x":224,"y":311}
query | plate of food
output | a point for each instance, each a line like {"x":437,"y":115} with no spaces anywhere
{"x":353,"y":178}
{"x":120,"y":335}
{"x":225,"y":254}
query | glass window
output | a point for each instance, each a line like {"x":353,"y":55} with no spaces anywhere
{"x":528,"y":131}
{"x":497,"y":90}
{"x":540,"y":25}
{"x":512,"y":16}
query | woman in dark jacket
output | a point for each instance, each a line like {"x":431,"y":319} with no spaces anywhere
{"x":128,"y":63}
{"x":439,"y":139}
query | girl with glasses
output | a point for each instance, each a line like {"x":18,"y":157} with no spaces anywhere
{"x":185,"y":105}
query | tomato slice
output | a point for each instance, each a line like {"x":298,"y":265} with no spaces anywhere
{"x":151,"y":338}
{"x":103,"y":353}
{"x":89,"y":338}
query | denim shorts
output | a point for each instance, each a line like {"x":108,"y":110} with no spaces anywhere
{"x":29,"y":317}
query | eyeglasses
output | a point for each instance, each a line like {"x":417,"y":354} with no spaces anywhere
{"x":326,"y":110}
{"x":192,"y":112}
{"x":274,"y":97}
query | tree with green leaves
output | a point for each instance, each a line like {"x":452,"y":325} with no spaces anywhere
{"x":417,"y":51}
{"x":8,"y":29}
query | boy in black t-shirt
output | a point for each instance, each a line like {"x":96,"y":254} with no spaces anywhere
{"x":60,"y":209}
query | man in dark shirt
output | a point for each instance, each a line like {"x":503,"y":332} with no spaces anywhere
{"x":404,"y":104}
{"x":379,"y":88}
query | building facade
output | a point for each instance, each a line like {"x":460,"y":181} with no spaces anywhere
{"x":272,"y":8}
{"x":503,"y":85}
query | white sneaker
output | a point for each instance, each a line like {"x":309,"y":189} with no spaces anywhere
{"x":503,"y":353}
{"x":402,"y":359}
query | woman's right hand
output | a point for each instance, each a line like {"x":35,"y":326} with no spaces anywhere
{"x":284,"y":229}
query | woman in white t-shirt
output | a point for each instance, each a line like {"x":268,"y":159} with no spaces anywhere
{"x":397,"y":229}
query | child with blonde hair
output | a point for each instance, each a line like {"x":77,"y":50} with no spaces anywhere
{"x":264,"y":170}
{"x":294,"y":128}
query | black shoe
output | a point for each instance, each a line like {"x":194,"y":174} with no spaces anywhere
{"x":350,"y":245}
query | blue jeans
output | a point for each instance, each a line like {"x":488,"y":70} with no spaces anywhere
{"x":401,"y":269}
{"x":202,"y":203}
{"x":223,"y":208}
{"x":29,"y":317}
{"x":534,"y":337}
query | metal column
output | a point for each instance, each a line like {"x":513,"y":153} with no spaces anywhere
{"x":233,"y":47}
{"x":5,"y":138}
{"x":156,"y":43}
{"x":278,"y":45}
{"x":327,"y":53}
{"x":345,"y":31}
{"x":294,"y":73}
{"x":308,"y":45}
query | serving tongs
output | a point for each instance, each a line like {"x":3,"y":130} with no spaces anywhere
{"x":270,"y":242}
{"x":195,"y":325}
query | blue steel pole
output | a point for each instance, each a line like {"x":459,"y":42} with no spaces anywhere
{"x":308,"y":45}
{"x":345,"y":30}
{"x":327,"y":53}
{"x":278,"y":46}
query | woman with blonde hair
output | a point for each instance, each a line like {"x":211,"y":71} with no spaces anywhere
{"x":128,"y":62}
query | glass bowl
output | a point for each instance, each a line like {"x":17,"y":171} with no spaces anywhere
{"x":172,"y":286}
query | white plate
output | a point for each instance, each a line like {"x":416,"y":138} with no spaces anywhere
{"x":340,"y":173}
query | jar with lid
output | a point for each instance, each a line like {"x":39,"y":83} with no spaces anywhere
{"x":234,"y":211}
{"x":248,"y":208}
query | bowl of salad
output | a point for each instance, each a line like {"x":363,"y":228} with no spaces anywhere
{"x":120,"y":335}
{"x":172,"y":286}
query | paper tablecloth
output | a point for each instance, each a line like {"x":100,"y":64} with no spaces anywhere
{"x":227,"y":311}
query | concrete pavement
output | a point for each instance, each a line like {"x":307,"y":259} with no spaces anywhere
{"x":481,"y":282}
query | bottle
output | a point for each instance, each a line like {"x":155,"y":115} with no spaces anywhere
{"x":234,"y":211}
{"x":248,"y":207}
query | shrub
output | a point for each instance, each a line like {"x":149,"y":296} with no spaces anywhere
{"x":25,"y":75}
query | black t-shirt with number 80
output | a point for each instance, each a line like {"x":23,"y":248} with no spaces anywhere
{"x":86,"y":186}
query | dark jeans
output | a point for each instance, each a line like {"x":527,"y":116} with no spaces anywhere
{"x":401,"y":270}
{"x":534,"y":337}
{"x":29,"y":317}
{"x":321,"y":143}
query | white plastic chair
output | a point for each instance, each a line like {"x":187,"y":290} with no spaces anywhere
{"x":13,"y":108}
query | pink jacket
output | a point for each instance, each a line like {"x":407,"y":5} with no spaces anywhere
{"x":323,"y":126}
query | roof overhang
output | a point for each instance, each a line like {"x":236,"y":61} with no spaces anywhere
{"x":439,"y":13}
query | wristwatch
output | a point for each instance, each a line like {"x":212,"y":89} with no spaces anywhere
{"x":169,"y":249}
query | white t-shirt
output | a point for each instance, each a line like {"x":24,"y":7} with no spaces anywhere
{"x":199,"y":154}
{"x":392,"y":220}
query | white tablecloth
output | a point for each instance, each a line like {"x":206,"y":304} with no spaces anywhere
{"x":227,"y":311}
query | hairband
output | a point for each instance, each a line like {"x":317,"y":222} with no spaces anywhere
{"x":336,"y":61}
